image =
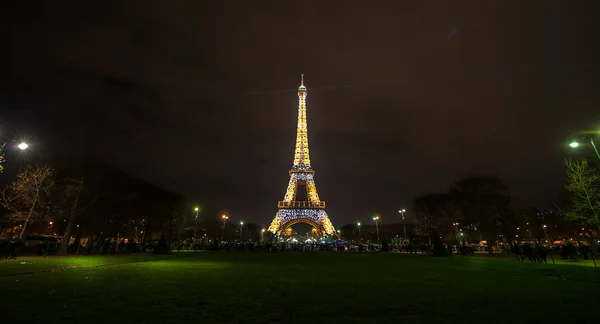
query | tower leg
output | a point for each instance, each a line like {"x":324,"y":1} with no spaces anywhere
{"x":311,"y":190}
{"x":290,"y":193}
{"x":316,"y":217}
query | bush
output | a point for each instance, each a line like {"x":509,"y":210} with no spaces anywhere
{"x":215,"y":245}
{"x":438,"y":247}
{"x":161,"y":247}
{"x":385,"y":246}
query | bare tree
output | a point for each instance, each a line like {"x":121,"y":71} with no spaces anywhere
{"x":427,"y":224}
{"x":481,"y":200}
{"x":24,"y":196}
{"x":76,"y":202}
{"x":584,"y":189}
{"x":503,"y":216}
{"x":175,"y":222}
{"x":433,"y":214}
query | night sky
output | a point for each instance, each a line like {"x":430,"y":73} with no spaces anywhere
{"x":404,"y":97}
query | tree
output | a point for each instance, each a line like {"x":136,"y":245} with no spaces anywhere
{"x":503,"y":216}
{"x":161,"y":247}
{"x":75,"y":201}
{"x":1,"y":162}
{"x":175,"y":223}
{"x":432,"y":219}
{"x":24,"y":197}
{"x":584,"y":189}
{"x":482,"y":202}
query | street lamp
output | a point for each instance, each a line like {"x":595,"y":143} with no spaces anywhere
{"x":545,"y":234}
{"x":402,"y":211}
{"x":576,"y":144}
{"x":241,"y":229}
{"x":262,"y":235}
{"x":359,"y":238}
{"x":223,"y":232}
{"x":376,"y":219}
{"x":196,"y":209}
{"x":22,"y":146}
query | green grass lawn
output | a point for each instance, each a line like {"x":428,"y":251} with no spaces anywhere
{"x":230,"y":287}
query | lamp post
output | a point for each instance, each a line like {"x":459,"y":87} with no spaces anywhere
{"x":376,"y":219}
{"x":546,"y":235}
{"x":359,"y":238}
{"x":458,"y":232}
{"x":196,"y":209}
{"x":22,"y":146}
{"x":262,"y":235}
{"x":224,"y":220}
{"x":576,"y":144}
{"x":402,"y":211}
{"x":241,"y":229}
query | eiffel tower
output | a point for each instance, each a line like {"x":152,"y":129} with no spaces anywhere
{"x":292,"y":211}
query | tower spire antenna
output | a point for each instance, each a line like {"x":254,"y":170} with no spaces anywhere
{"x":302,"y":80}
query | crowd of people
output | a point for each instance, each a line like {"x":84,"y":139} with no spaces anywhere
{"x":11,"y":247}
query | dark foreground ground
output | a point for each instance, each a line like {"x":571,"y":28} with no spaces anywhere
{"x":229,"y":287}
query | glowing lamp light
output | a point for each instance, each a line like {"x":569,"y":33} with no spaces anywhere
{"x":23,"y":146}
{"x":196,"y":209}
{"x":574,"y":144}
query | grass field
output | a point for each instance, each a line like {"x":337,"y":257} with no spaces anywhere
{"x":234,"y":287}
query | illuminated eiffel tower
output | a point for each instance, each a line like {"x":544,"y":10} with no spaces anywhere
{"x":292,"y":211}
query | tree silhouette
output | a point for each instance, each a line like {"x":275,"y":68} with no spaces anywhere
{"x":584,"y":189}
{"x":175,"y":222}
{"x":76,"y":198}
{"x":432,"y":216}
{"x":481,"y":200}
{"x":24,"y":197}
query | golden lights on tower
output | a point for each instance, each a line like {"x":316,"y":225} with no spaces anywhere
{"x":290,"y":210}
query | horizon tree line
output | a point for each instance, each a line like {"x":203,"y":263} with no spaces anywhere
{"x":98,"y":200}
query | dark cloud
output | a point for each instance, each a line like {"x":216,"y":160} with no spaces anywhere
{"x":404,"y":96}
